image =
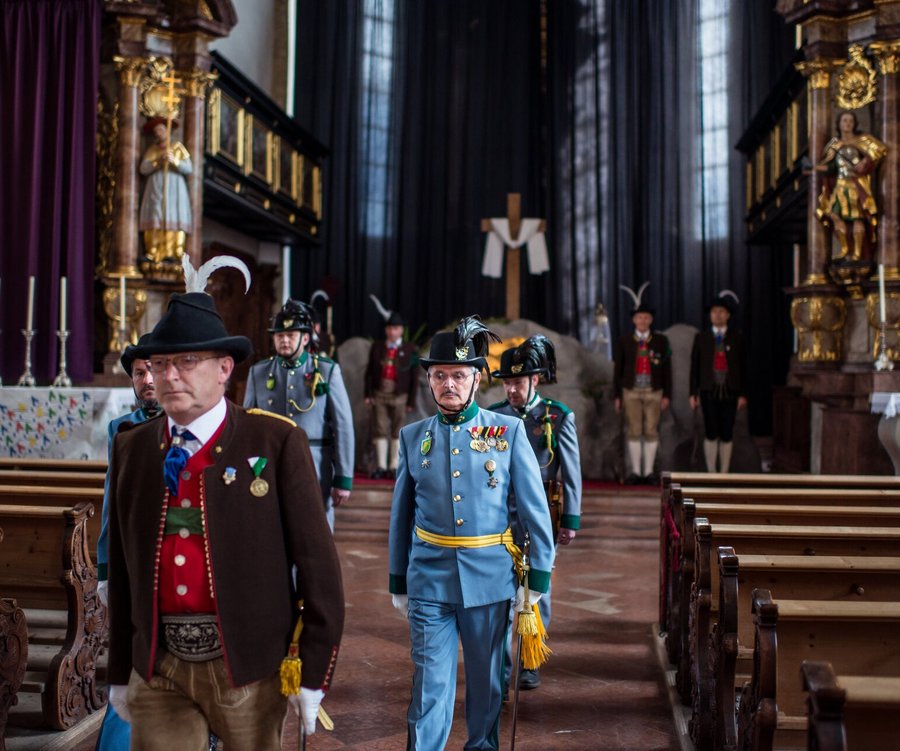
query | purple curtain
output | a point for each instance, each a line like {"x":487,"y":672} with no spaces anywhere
{"x":49,"y":78}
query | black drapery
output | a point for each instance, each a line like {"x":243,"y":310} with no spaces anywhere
{"x":49,"y":75}
{"x":602,"y":141}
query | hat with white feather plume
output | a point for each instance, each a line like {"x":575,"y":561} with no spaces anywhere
{"x":725,"y":299}
{"x":639,"y":305}
{"x":191,"y":322}
{"x":391,"y":317}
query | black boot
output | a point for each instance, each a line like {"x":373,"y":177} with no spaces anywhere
{"x":529,"y":679}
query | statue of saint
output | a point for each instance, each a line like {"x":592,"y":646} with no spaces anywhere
{"x":847,"y":202}
{"x":165,"y":217}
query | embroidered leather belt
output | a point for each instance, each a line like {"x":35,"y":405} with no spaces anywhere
{"x":504,"y":538}
{"x":194,"y":638}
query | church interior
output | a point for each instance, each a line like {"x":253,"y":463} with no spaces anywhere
{"x":562,"y":169}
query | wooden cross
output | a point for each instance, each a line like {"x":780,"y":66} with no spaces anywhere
{"x":513,"y":255}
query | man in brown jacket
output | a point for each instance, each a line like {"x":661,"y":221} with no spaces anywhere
{"x":391,"y":384}
{"x":211,"y":507}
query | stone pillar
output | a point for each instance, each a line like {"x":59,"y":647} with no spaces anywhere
{"x":820,"y":126}
{"x":196,"y":84}
{"x":123,"y":261}
{"x":888,"y":55}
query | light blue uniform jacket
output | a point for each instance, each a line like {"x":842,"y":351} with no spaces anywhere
{"x":328,"y":422}
{"x":443,"y":488}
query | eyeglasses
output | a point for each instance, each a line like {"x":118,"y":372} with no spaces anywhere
{"x":458,"y":377}
{"x":181,"y":363}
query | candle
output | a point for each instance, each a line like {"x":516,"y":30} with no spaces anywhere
{"x":881,"y":306}
{"x":62,"y":304}
{"x":29,"y":317}
{"x":122,"y":302}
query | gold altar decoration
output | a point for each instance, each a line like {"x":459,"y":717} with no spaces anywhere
{"x":135,"y":304}
{"x":107,"y":145}
{"x":891,"y":326}
{"x":855,"y":81}
{"x":495,"y":349}
{"x":155,"y":100}
{"x":888,"y":56}
{"x":819,"y":323}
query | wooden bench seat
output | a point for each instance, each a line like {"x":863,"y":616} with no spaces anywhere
{"x":51,"y":496}
{"x":54,"y":465}
{"x":63,"y":478}
{"x":763,"y":479}
{"x":720,"y":662}
{"x":700,"y":575}
{"x":850,"y":712}
{"x":46,"y":564}
{"x":675,"y":530}
{"x":857,"y":638}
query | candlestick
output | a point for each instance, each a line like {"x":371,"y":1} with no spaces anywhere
{"x":62,"y":304}
{"x":27,"y":379}
{"x":62,"y":379}
{"x":881,"y":306}
{"x":29,"y":317}
{"x":122,"y":301}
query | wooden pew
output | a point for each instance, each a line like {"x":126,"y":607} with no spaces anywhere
{"x":680,"y":582}
{"x":46,"y":564}
{"x":858,"y":638}
{"x":760,"y":539}
{"x":60,"y":479}
{"x":676,"y":533}
{"x":13,"y":657}
{"x":715,"y":672}
{"x":42,"y":495}
{"x":849,"y":712}
{"x":54,"y":465}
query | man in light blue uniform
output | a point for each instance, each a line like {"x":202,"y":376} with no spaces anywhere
{"x":550,"y":427}
{"x":309,"y":389}
{"x":451,"y":570}
{"x":115,"y":734}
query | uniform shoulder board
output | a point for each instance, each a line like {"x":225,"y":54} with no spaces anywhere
{"x":258,"y":411}
{"x":498,"y":405}
{"x":565,"y":409}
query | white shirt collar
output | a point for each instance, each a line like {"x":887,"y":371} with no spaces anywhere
{"x":641,"y":336}
{"x":720,"y":331}
{"x":395,"y":344}
{"x":205,"y":426}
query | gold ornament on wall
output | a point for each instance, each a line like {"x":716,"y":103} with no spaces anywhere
{"x":819,"y":322}
{"x":156,"y":90}
{"x":856,"y":81}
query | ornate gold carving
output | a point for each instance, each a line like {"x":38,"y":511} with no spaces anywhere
{"x":106,"y":144}
{"x":856,"y":81}
{"x":818,"y":71}
{"x":131,"y":69}
{"x":135,"y":303}
{"x":888,"y":56}
{"x":155,"y":100}
{"x":197,"y":82}
{"x":819,"y":322}
{"x":892,"y":324}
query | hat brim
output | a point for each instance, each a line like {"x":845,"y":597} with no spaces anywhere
{"x":478,"y":362}
{"x":503,"y":374}
{"x":239,"y":347}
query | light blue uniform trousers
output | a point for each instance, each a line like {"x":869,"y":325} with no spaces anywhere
{"x":435,"y":632}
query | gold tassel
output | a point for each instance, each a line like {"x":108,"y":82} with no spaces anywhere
{"x":531,"y":628}
{"x":291,"y":665}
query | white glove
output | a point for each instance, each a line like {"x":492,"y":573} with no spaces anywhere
{"x":103,"y":592}
{"x":306,"y":704}
{"x":533,"y":598}
{"x":401,"y":602}
{"x":117,"y":699}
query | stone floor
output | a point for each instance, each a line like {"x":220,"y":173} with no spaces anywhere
{"x":603,"y":688}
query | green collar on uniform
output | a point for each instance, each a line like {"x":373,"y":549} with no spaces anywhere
{"x":296,"y":363}
{"x":467,"y":414}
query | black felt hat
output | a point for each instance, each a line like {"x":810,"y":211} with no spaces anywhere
{"x":293,"y":316}
{"x":467,"y":344}
{"x":724,"y":299}
{"x":638,"y":297}
{"x":535,"y":356}
{"x":128,"y":357}
{"x":191,"y":324}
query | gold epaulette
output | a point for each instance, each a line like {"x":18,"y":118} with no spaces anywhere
{"x":258,"y":411}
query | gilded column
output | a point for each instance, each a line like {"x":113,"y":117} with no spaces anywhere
{"x":125,"y":238}
{"x":196,"y":84}
{"x":888,"y":55}
{"x":818,"y":73}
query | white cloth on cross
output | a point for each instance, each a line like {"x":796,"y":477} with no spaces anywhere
{"x":529,"y":232}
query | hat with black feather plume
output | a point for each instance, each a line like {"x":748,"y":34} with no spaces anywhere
{"x":535,"y":356}
{"x":294,"y":315}
{"x":467,"y":344}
